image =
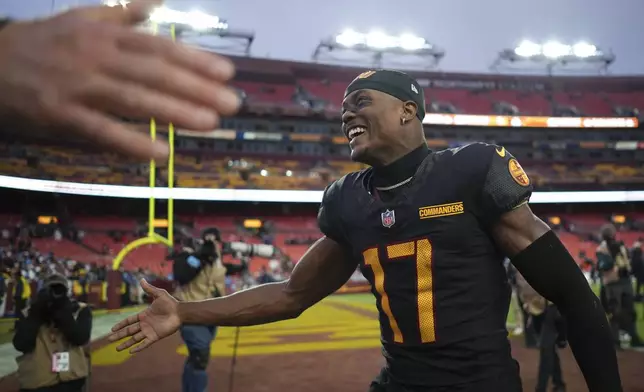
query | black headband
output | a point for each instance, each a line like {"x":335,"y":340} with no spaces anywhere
{"x":395,"y":83}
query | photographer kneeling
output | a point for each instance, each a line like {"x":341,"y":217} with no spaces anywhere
{"x":200,"y":275}
{"x":52,"y":334}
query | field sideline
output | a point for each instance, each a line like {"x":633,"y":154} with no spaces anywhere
{"x":339,"y":336}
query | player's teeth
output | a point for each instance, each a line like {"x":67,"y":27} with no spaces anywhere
{"x":356,"y":131}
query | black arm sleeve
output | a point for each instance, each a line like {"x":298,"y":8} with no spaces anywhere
{"x":329,"y":219}
{"x":587,"y":326}
{"x":77,"y":331}
{"x":506,"y":185}
{"x":24,"y":339}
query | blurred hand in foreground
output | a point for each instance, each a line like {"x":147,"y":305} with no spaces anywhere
{"x":84,"y":70}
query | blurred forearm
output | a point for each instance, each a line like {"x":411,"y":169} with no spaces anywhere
{"x":323,"y":269}
{"x":259,"y":305}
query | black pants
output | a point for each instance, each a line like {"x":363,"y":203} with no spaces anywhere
{"x":549,"y":325}
{"x":506,"y":382}
{"x":529,"y":334}
{"x":620,"y":306}
{"x":19,"y":304}
{"x":639,"y":286}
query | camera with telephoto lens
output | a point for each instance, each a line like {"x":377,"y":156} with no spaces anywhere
{"x":53,"y":295}
{"x":236,"y":248}
{"x":57,"y":292}
{"x":243,"y":249}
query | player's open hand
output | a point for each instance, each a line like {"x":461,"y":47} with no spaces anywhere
{"x":156,"y":322}
{"x":80,"y":72}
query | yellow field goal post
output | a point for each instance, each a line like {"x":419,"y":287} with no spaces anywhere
{"x":152,"y":237}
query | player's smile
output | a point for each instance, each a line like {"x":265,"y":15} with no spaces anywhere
{"x":354,"y":133}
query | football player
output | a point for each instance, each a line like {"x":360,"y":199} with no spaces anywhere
{"x":429,"y":231}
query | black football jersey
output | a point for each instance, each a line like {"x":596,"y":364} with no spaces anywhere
{"x":441,"y":288}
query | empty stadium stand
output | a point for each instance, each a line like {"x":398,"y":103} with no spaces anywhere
{"x":284,"y":83}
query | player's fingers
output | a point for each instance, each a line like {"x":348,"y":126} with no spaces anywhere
{"x":175,"y":81}
{"x":139,"y":102}
{"x":125,"y":322}
{"x":142,"y":346}
{"x":111,"y":134}
{"x":130,"y":330}
{"x":208,"y":64}
{"x":131,"y":342}
{"x":151,"y":290}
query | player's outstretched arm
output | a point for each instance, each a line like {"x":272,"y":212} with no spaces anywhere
{"x":543,"y":260}
{"x":323,"y":269}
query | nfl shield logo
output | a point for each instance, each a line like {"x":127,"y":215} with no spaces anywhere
{"x":388,"y":218}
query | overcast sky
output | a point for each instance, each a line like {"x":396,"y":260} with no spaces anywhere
{"x":471,"y":31}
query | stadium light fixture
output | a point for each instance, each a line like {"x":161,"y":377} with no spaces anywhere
{"x":195,"y":20}
{"x":377,"y":44}
{"x":114,"y":3}
{"x":554,"y":53}
{"x":378,"y":40}
{"x":194,"y":25}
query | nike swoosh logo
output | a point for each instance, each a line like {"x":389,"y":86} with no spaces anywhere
{"x":501,"y":152}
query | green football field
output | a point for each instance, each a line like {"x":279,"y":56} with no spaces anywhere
{"x":367,"y":298}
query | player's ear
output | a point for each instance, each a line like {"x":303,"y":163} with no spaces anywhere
{"x":409,"y":111}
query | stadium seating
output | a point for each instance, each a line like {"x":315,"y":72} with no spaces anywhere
{"x":466,"y":101}
{"x":286,"y":86}
{"x":287,"y":230}
{"x":276,"y":82}
{"x":219,"y":172}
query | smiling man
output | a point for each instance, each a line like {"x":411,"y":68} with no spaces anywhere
{"x":429,"y":231}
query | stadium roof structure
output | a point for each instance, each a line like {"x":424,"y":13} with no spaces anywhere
{"x":379,"y":48}
{"x":554,"y":56}
{"x":199,"y":29}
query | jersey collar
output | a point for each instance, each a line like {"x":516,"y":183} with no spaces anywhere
{"x":400,"y":171}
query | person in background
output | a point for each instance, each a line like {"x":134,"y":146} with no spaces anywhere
{"x":550,"y":329}
{"x":21,"y":291}
{"x":617,"y":288}
{"x":637,"y":267}
{"x":522,"y":317}
{"x":3,"y":289}
{"x":200,"y":275}
{"x":52,"y":336}
{"x":265,"y":276}
{"x":515,"y":302}
{"x":588,"y":263}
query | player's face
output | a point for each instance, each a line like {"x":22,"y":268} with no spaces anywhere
{"x":370,"y":121}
